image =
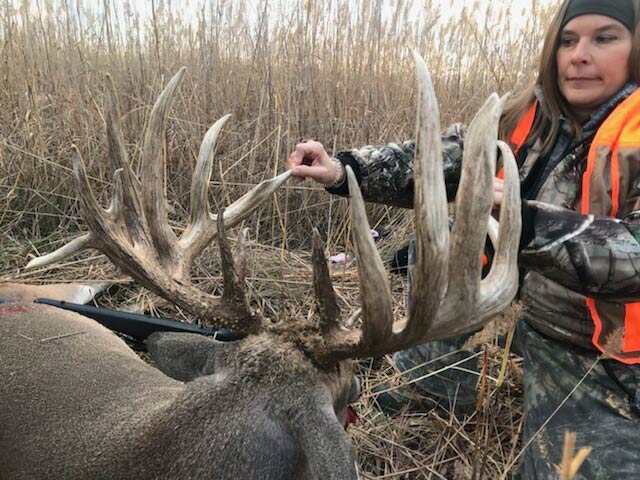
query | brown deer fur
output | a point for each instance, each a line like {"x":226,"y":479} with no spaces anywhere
{"x":95,"y":410}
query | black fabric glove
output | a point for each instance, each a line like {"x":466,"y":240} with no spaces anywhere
{"x":346,"y":158}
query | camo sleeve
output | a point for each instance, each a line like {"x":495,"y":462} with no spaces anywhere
{"x":594,"y":256}
{"x":385,"y":172}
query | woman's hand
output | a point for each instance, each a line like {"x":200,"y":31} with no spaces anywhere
{"x":310,"y":160}
{"x":498,"y":192}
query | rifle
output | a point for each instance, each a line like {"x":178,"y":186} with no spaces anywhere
{"x":135,"y":326}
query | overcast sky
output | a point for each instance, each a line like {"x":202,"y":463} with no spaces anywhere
{"x":448,"y":8}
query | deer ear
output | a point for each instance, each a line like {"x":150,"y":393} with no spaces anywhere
{"x":184,"y":356}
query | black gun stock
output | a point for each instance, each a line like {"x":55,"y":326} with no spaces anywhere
{"x":137,"y":327}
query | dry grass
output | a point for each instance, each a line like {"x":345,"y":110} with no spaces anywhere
{"x":335,"y":70}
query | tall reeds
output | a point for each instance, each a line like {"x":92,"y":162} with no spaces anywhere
{"x":337,"y":71}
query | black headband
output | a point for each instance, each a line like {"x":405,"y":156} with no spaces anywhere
{"x":620,"y":10}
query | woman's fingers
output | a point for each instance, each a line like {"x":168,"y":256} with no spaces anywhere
{"x":297,"y":157}
{"x":310,"y":160}
{"x":498,"y":191}
{"x":320,"y":174}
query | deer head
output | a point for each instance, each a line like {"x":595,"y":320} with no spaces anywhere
{"x":267,"y":406}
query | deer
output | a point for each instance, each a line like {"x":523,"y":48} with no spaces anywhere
{"x":77,"y":403}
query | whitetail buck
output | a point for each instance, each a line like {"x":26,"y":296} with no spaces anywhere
{"x":76,"y":403}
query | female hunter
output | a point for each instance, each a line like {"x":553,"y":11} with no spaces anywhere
{"x":576,"y":135}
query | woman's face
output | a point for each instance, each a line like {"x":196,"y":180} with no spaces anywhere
{"x":593,"y":61}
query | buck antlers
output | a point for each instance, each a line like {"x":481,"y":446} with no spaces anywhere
{"x":450,"y":298}
{"x":135,"y":234}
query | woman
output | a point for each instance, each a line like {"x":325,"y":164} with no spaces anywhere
{"x":576,"y":135}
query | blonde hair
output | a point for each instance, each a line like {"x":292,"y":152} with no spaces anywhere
{"x":547,"y":119}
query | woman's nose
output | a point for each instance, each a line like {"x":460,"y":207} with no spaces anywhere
{"x":582,"y":52}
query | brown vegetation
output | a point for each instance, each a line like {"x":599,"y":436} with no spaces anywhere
{"x":340,"y":72}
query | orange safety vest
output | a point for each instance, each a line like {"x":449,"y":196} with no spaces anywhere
{"x":621,"y":129}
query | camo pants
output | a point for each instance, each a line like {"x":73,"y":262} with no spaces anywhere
{"x":603,"y":410}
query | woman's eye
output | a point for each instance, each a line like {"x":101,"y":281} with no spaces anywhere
{"x":567,"y":41}
{"x":605,"y":38}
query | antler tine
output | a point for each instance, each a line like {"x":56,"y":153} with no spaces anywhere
{"x":131,"y":213}
{"x":241,"y":257}
{"x":473,"y":207}
{"x":194,"y":238}
{"x":152,"y":175}
{"x":103,"y":230}
{"x":377,"y":309}
{"x":379,"y":334}
{"x":326,"y":301}
{"x":239,"y":210}
{"x":201,"y":229}
{"x":500,"y":285}
{"x":493,"y":231}
{"x":116,"y":210}
{"x":96,"y":216}
{"x":74,"y":246}
{"x":234,"y":292}
{"x":430,"y":206}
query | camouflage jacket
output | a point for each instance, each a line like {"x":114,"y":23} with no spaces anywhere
{"x":571,"y":255}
